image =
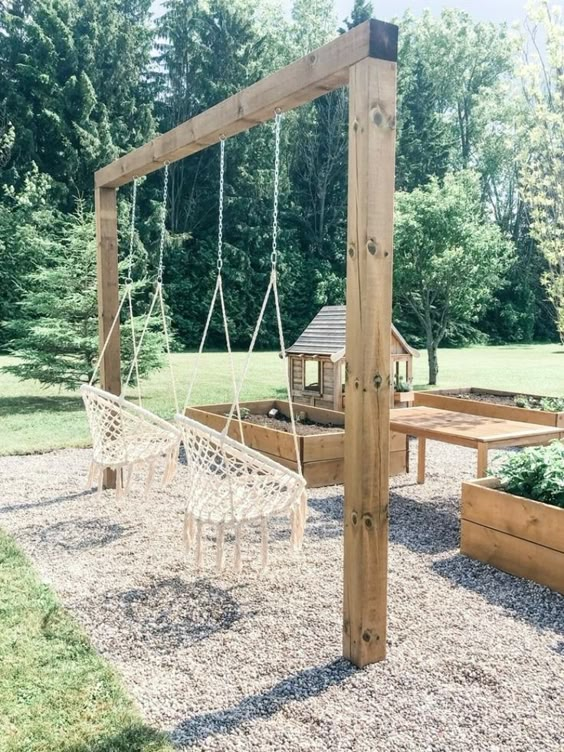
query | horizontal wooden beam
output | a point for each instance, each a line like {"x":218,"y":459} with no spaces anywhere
{"x":306,"y":79}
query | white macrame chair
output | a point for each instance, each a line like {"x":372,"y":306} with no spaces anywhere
{"x":229,"y":485}
{"x":126,"y":436}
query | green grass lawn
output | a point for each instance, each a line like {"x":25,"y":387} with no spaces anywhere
{"x":56,"y":693}
{"x":36,"y":420}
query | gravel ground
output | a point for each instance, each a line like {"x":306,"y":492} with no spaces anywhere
{"x":475,"y":657}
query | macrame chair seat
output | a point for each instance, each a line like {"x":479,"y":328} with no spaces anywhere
{"x":229,"y":485}
{"x":125,"y":437}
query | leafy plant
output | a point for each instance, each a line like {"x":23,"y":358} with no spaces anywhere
{"x":401,"y":385}
{"x":552,"y":404}
{"x":548,"y":404}
{"x":536,"y":473}
{"x":521,"y":400}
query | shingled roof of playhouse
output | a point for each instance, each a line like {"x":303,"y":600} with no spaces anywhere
{"x":325,"y":336}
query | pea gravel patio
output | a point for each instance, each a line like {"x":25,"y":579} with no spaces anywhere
{"x":475,"y":656}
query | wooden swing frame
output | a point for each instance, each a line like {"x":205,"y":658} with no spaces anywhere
{"x":364,"y":59}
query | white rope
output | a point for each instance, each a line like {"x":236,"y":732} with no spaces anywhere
{"x":286,"y":372}
{"x":142,"y":337}
{"x":218,"y":292}
{"x":108,"y":337}
{"x":167,"y":345}
{"x":134,"y":344}
{"x":272,"y":287}
{"x":126,"y":296}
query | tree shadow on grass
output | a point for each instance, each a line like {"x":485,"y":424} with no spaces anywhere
{"x":37,"y":405}
{"x":297,"y":688}
{"x":135,"y":738}
{"x":524,"y":600}
{"x":425,"y":527}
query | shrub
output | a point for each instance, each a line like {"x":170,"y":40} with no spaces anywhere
{"x":536,"y":473}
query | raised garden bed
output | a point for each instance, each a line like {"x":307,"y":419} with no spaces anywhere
{"x":518,"y":535}
{"x":490,"y":403}
{"x":321,"y":438}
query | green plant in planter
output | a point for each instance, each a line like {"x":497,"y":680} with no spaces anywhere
{"x":536,"y":473}
{"x":521,"y":400}
{"x":401,"y":385}
{"x":552,"y":404}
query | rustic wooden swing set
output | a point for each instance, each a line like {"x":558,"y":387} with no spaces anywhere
{"x":364,"y":59}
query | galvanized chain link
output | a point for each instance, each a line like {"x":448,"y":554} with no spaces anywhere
{"x":163,"y":225}
{"x":277,"y":123}
{"x":129,"y":279}
{"x":220,"y":220}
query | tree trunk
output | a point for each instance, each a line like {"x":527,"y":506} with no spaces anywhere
{"x":433,"y":360}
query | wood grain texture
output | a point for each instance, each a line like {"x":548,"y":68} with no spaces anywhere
{"x":484,"y":504}
{"x":108,"y":296}
{"x":372,"y":117}
{"x":514,"y":555}
{"x":488,"y":409}
{"x":468,"y":430}
{"x":306,"y":79}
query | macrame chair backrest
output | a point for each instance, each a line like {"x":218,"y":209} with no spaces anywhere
{"x":232,"y":485}
{"x":124,"y":435}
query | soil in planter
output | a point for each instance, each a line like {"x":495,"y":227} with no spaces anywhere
{"x":498,"y":399}
{"x":282,"y":423}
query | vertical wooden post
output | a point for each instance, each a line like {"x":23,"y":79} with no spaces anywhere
{"x":108,"y":294}
{"x":372,"y":114}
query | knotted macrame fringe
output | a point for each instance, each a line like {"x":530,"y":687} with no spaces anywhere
{"x":199,"y":556}
{"x":298,"y":520}
{"x":237,"y":559}
{"x":124,"y":474}
{"x":188,"y":532}
{"x":193,"y":532}
{"x":219,"y":554}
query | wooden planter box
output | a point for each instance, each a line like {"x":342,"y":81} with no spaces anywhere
{"x":445,"y":399}
{"x":517,"y":535}
{"x":321,"y":454}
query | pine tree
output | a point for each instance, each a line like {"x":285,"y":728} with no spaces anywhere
{"x":74,"y":84}
{"x":423,"y":142}
{"x":55,"y":337}
{"x":362,"y":11}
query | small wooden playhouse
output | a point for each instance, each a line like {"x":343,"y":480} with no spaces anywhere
{"x":316,"y":362}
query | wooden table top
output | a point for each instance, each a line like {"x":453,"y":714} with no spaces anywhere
{"x":433,"y":423}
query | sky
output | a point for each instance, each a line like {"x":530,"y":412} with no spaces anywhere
{"x":482,"y":10}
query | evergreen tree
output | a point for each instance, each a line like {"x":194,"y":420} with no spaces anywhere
{"x":424,"y":146}
{"x":362,"y":11}
{"x":74,"y":84}
{"x":55,"y":336}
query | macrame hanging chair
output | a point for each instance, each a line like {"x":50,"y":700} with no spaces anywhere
{"x":126,"y":436}
{"x":229,"y":485}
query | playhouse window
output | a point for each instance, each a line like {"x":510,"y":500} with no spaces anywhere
{"x":312,"y":376}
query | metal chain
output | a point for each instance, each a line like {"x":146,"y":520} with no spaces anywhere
{"x":129,"y":279}
{"x":163,"y":225}
{"x":277,"y":123}
{"x":220,"y":220}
